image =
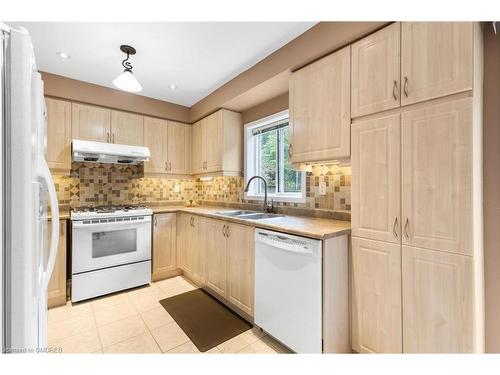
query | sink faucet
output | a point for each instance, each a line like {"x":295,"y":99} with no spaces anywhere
{"x":266,"y":207}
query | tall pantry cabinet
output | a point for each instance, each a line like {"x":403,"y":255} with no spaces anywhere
{"x":416,"y":190}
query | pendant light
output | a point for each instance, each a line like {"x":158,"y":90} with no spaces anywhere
{"x":126,"y":81}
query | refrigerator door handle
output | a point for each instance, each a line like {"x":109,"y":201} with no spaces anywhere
{"x":44,"y":173}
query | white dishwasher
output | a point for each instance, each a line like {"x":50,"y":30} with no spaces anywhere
{"x":288,"y":289}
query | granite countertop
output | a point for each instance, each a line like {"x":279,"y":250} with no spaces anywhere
{"x":318,"y":228}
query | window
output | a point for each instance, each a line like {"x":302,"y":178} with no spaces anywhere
{"x":266,"y":151}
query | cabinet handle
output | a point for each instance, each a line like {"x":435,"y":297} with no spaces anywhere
{"x":107,"y":137}
{"x":228,"y":233}
{"x":224,"y":230}
{"x":156,"y":220}
{"x":169,"y":166}
{"x":62,"y":228}
{"x":166,"y":166}
{"x":405,"y":88}
{"x":290,"y":147}
{"x":394,"y":228}
{"x":394,"y":94}
{"x":407,"y":223}
{"x":113,"y":138}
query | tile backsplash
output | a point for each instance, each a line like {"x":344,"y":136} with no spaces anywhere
{"x":103,"y":184}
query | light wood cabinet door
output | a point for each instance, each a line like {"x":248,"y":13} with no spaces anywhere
{"x":376,"y":179}
{"x":90,"y":123}
{"x":164,"y":245}
{"x":375,"y":85}
{"x":58,"y":151}
{"x":240,"y":266}
{"x":437,"y":302}
{"x":212,"y":141}
{"x":436,"y":59}
{"x":197,"y":157}
{"x":198,"y":250}
{"x":127,"y":128}
{"x":57,"y":284}
{"x":437,"y":177}
{"x":155,"y":133}
{"x":320,"y":114}
{"x":185,"y":242}
{"x":216,"y":271}
{"x":179,"y":148}
{"x":376,"y":296}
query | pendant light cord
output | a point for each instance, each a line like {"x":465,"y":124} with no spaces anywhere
{"x":126,"y":64}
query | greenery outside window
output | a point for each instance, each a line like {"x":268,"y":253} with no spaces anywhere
{"x":266,"y":155}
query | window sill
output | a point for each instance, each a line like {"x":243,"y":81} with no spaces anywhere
{"x":277,"y":198}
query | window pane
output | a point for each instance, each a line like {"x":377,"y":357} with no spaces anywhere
{"x":292,"y":179}
{"x":266,"y":160}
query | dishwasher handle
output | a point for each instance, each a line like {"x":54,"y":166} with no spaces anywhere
{"x":285,"y":243}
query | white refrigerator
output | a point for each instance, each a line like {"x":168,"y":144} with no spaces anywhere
{"x":26,"y":188}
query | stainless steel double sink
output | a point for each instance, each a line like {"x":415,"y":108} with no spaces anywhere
{"x":249,"y":215}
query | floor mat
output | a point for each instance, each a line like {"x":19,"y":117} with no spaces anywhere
{"x":206,"y":321}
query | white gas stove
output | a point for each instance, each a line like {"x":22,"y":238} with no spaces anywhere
{"x":111,"y":249}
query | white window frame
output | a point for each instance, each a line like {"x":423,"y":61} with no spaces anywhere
{"x":249,"y":156}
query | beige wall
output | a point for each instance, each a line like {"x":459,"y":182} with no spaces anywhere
{"x":274,"y":105}
{"x":491,"y":171}
{"x":72,"y":89}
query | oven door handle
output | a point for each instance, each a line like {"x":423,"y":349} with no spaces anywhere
{"x":111,"y":226}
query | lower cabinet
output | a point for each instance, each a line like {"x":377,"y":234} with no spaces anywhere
{"x":57,"y":284}
{"x":230,"y":263}
{"x":164,"y":246}
{"x":437,"y":301}
{"x":376,"y":296}
{"x":191,"y":245}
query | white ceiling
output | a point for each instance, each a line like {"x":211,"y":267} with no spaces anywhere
{"x":197,"y":57}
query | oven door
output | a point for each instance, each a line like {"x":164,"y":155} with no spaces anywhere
{"x":110,"y":243}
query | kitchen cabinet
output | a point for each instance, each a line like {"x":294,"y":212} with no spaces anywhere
{"x":191,"y":245}
{"x":217,"y":144}
{"x":169,"y":143}
{"x":57,"y":284}
{"x":376,"y":178}
{"x":436,"y":59}
{"x":320,"y":113}
{"x":164,"y":246}
{"x":90,"y":123}
{"x":58,"y":150}
{"x":179,"y":148}
{"x":375,"y":85}
{"x":376,"y":296}
{"x":437,"y":302}
{"x":127,"y":128}
{"x":154,"y":139}
{"x":437,"y":176}
{"x":216,"y":257}
{"x":240,"y":266}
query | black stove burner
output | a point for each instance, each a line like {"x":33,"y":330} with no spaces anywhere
{"x":108,"y":209}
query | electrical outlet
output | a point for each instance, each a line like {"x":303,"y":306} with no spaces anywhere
{"x":177,"y":188}
{"x":322,"y":188}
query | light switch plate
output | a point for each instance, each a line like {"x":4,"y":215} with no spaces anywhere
{"x":177,"y":188}
{"x":322,"y":188}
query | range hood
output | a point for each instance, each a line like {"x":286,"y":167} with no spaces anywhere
{"x":111,"y":153}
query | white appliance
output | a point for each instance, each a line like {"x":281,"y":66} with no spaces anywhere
{"x":101,"y":152}
{"x":288,"y":289}
{"x":27,"y":260}
{"x":111,"y":250}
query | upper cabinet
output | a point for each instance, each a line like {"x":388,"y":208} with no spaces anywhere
{"x":90,"y":123}
{"x":375,"y":72}
{"x":217,"y":144}
{"x":320,"y":114}
{"x":127,"y":128}
{"x":170,"y":145}
{"x":58,"y":151}
{"x":436,"y":59}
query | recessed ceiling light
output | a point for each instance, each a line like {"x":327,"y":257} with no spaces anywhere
{"x":63,"y":55}
{"x":172,"y":87}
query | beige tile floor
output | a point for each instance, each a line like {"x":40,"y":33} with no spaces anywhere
{"x":134,"y":322}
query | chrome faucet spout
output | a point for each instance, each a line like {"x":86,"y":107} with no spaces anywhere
{"x":266,"y":207}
